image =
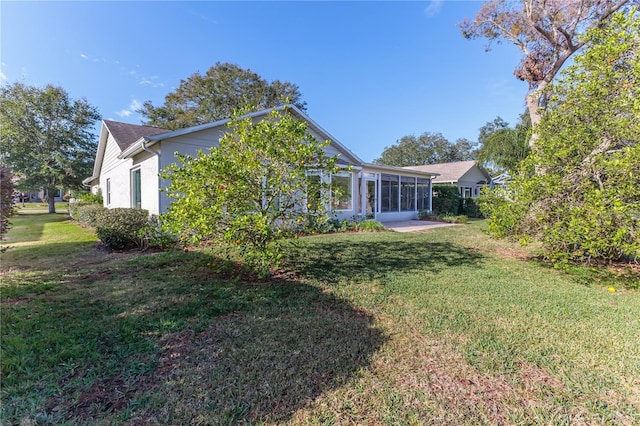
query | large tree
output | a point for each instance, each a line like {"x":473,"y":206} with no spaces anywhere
{"x":46,"y":137}
{"x":261,"y":183}
{"x":586,"y":204}
{"x":215,"y":95}
{"x":428,"y":148}
{"x":502,"y":148}
{"x":547,"y":33}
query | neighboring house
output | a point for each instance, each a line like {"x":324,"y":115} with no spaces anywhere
{"x":129,"y":158}
{"x":468,"y":176}
{"x":501,"y":180}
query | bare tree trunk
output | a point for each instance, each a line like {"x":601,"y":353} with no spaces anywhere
{"x":537,"y":104}
{"x":51,"y":198}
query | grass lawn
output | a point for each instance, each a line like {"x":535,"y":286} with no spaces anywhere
{"x":440,"y":327}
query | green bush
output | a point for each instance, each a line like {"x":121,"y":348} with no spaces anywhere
{"x":445,"y":199}
{"x":121,"y":228}
{"x":153,"y":236}
{"x":91,"y":198}
{"x":86,"y":213}
{"x":469,"y":207}
{"x":370,"y":225}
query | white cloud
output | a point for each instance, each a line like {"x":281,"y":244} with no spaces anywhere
{"x":433,"y":8}
{"x":133,"y":107}
{"x":3,"y":76}
{"x":83,"y":56}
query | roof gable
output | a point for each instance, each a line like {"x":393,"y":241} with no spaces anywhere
{"x":449,"y":172}
{"x":126,"y":134}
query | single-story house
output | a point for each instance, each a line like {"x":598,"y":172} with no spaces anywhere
{"x":468,"y":176}
{"x":129,"y":158}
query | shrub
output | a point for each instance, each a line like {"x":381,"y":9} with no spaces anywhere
{"x":85,"y":213}
{"x":469,"y":207}
{"x":91,"y":198}
{"x":370,"y":225}
{"x":445,"y":199}
{"x":153,"y":236}
{"x":6,"y":198}
{"x":120,"y":228}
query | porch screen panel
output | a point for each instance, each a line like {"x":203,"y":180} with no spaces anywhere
{"x":389,"y":193}
{"x":341,"y":192}
{"x":423,"y":194}
{"x":407,"y":193}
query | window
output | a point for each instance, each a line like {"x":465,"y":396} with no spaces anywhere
{"x":407,"y":193}
{"x":389,"y":187}
{"x":109,"y":191}
{"x":423,"y":194}
{"x":341,"y":191}
{"x":136,"y":193}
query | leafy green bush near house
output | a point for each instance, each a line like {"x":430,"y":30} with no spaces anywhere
{"x":446,"y":199}
{"x":120,"y":228}
{"x":86,"y":213}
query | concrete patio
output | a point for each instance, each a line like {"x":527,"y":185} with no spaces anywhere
{"x":415,"y":225}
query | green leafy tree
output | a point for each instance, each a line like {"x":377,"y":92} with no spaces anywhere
{"x":547,"y":32}
{"x":257,"y":187}
{"x":46,"y":137}
{"x":586,"y":204}
{"x":503,"y":148}
{"x":223,"y":89}
{"x":428,"y":148}
{"x":6,"y":198}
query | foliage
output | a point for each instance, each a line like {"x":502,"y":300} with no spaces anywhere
{"x":252,"y":188}
{"x":428,"y":148}
{"x":90,"y":197}
{"x":445,"y":217}
{"x":370,"y":225}
{"x":153,"y":236}
{"x":503,"y":148}
{"x":87,"y":214}
{"x":6,"y":199}
{"x":46,"y":137}
{"x":547,"y":32}
{"x":446,"y":199}
{"x":469,"y":207}
{"x":223,"y":89}
{"x":120,"y":228}
{"x":579,"y":191}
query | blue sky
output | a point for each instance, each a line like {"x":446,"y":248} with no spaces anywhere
{"x":370,"y":72}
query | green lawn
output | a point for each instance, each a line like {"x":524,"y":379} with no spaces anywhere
{"x":440,"y":327}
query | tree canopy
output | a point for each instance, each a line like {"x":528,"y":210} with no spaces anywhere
{"x":216,"y":94}
{"x":428,"y":148}
{"x":584,"y":205}
{"x":46,"y":137}
{"x":547,"y":32}
{"x":503,"y":148}
{"x":261,"y":183}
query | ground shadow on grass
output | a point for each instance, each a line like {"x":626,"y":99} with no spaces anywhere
{"x":329,"y":259}
{"x":21,"y":232}
{"x":163,"y":338}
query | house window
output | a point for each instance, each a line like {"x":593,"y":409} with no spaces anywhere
{"x":423,"y":194}
{"x":341,"y":191}
{"x":407,"y":193}
{"x":109,"y":191}
{"x":136,"y":189}
{"x":476,"y":191}
{"x":389,"y":193}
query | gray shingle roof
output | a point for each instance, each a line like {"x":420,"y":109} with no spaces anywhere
{"x":449,"y":172}
{"x":126,"y":134}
